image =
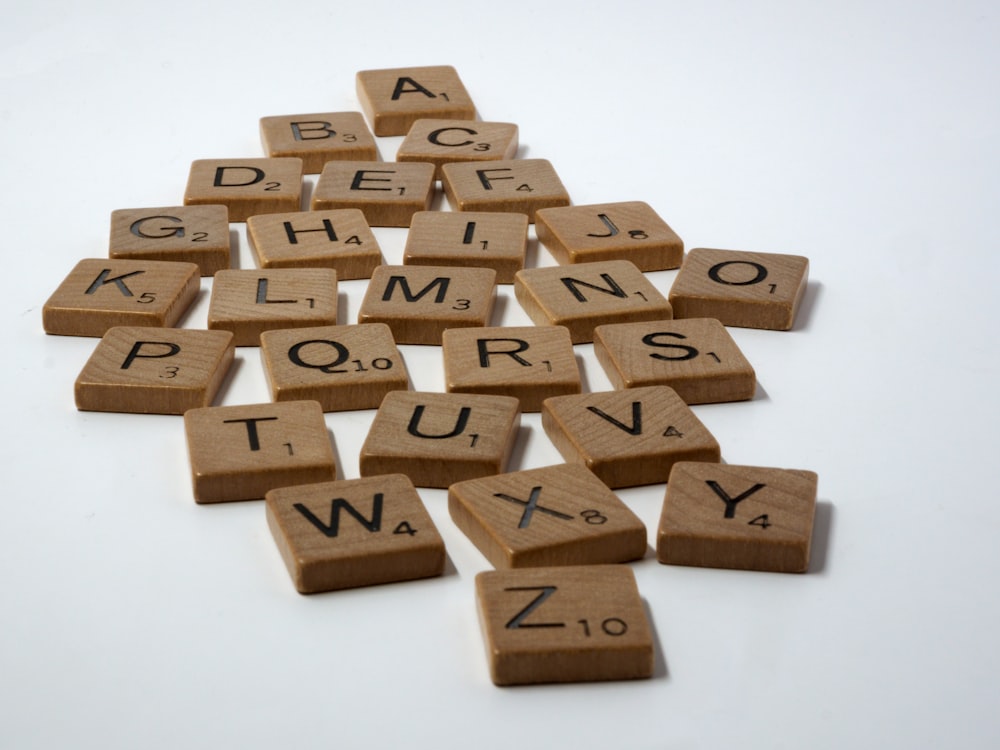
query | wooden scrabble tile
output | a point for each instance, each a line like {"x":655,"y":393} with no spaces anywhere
{"x":357,"y":532}
{"x":242,"y":452}
{"x":610,"y":231}
{"x":530,"y":363}
{"x":446,"y":141}
{"x":246,"y":186}
{"x":99,"y":294}
{"x":589,"y":295}
{"x":419,"y":302}
{"x":628,"y":438}
{"x":440,"y":438}
{"x":569,"y":624}
{"x":469,"y":239}
{"x":697,"y":357}
{"x":338,"y":239}
{"x":154,"y":370}
{"x":342,"y":367}
{"x":190,"y":234}
{"x":744,"y":517}
{"x":512,"y":186}
{"x":744,"y":289}
{"x":249,"y":302}
{"x":555,"y":515}
{"x":318,"y":138}
{"x":394,"y":98}
{"x":388,"y":193}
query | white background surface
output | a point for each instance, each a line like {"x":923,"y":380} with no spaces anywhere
{"x":862,"y":135}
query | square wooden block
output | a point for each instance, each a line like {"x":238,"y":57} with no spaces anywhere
{"x":357,"y":532}
{"x":388,"y":193}
{"x":569,"y":624}
{"x":628,"y":438}
{"x":531,"y":363}
{"x":154,"y":370}
{"x":586,"y":296}
{"x":445,"y":141}
{"x":697,"y":357}
{"x":743,"y":517}
{"x":247,"y":187}
{"x":468,"y":240}
{"x":341,"y":367}
{"x":512,"y":186}
{"x":610,"y":231}
{"x":419,"y":302}
{"x":189,"y":234}
{"x":555,"y":515}
{"x":249,"y":302}
{"x":242,"y":452}
{"x":394,"y":98}
{"x":440,"y":438}
{"x":318,"y":138}
{"x":743,"y":289}
{"x":339,"y":239}
{"x":99,"y":294}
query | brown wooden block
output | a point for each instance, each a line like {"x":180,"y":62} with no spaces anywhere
{"x":318,"y":138}
{"x":357,"y":532}
{"x":470,"y":239}
{"x":744,"y":289}
{"x":744,"y":517}
{"x":154,"y":370}
{"x":569,"y":624}
{"x":512,"y":186}
{"x":555,"y":515}
{"x":589,"y":295}
{"x":388,"y":193}
{"x":249,"y":302}
{"x":242,"y":452}
{"x":189,"y":234}
{"x":394,"y":98}
{"x":530,"y":363}
{"x":339,"y":239}
{"x":697,"y":357}
{"x":99,"y":294}
{"x":610,"y":231}
{"x":246,"y":186}
{"x":440,"y":438}
{"x":419,"y":302}
{"x":445,"y":141}
{"x":341,"y":367}
{"x":628,"y":438}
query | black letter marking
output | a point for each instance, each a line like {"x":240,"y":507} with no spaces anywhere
{"x":342,"y":355}
{"x":323,"y":127}
{"x":418,"y":412}
{"x":441,"y":282}
{"x":417,"y":88}
{"x":220,"y":171}
{"x":612,"y":229}
{"x":136,"y":228}
{"x":732,"y":501}
{"x":251,"y":423}
{"x":485,"y":353}
{"x":635,"y":429}
{"x":689,"y":351}
{"x":291,"y":233}
{"x":517,"y":621}
{"x":102,"y":279}
{"x":613,"y":289}
{"x":433,"y":137}
{"x":486,"y":181}
{"x":530,"y":506}
{"x":262,"y":295}
{"x":133,"y":355}
{"x":333,"y":527}
{"x":714,"y":273}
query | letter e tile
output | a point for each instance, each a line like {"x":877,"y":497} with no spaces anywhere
{"x":567,"y":624}
{"x":358,"y":532}
{"x":242,"y":452}
{"x":743,"y":517}
{"x":555,"y":515}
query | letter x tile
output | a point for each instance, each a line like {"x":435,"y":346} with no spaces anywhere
{"x":630,"y":437}
{"x":357,"y":532}
{"x":568,"y":624}
{"x":744,"y":517}
{"x":555,"y":515}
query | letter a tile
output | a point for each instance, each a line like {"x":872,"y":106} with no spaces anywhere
{"x":555,"y":515}
{"x":743,"y":289}
{"x":743,"y":517}
{"x":394,"y":98}
{"x":154,"y":370}
{"x":569,"y":624}
{"x":358,"y":532}
{"x":440,"y":438}
{"x":242,"y":452}
{"x":630,"y":437}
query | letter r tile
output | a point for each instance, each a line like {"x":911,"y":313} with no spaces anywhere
{"x":742,"y":517}
{"x":564,"y":624}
